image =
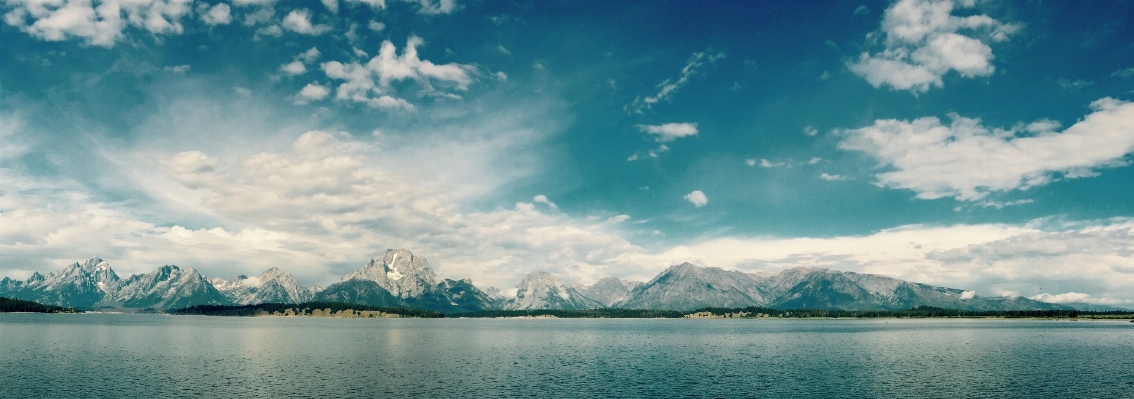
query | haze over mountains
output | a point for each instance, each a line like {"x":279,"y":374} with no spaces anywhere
{"x":399,"y":278}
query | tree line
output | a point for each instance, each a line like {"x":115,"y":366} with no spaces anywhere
{"x":306,"y":307}
{"x":8,"y":305}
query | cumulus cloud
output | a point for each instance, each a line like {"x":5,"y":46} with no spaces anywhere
{"x":697,"y":198}
{"x":310,"y":55}
{"x":967,"y":160}
{"x":968,"y":295}
{"x":102,"y":25}
{"x":830,"y":177}
{"x":293,"y":68}
{"x":810,"y":131}
{"x":312,"y":92}
{"x":924,"y":41}
{"x":219,"y":14}
{"x":299,"y":21}
{"x":668,"y":132}
{"x":376,"y":26}
{"x":668,"y":87}
{"x":270,"y":30}
{"x":370,"y":83}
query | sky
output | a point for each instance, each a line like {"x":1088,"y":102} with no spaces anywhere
{"x":980,"y":145}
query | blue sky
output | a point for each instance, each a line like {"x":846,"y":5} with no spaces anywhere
{"x":980,"y":145}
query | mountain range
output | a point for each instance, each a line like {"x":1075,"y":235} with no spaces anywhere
{"x":399,"y":278}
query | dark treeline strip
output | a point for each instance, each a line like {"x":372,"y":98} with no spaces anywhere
{"x":579,"y":314}
{"x":918,"y":312}
{"x":306,"y":307}
{"x":748,"y":312}
{"x":16,"y":305}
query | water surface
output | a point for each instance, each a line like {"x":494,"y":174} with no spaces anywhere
{"x":92,"y":355}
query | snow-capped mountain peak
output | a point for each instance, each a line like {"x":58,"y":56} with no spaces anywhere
{"x":542,"y":290}
{"x":399,"y":272}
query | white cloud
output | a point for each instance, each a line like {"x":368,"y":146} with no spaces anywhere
{"x":924,"y":42}
{"x":503,"y":50}
{"x":501,"y":76}
{"x":1073,"y":84}
{"x":312,"y":92}
{"x":669,"y":86}
{"x":102,"y":25}
{"x":667,"y":132}
{"x":370,"y":83}
{"x":1124,"y":73}
{"x":1002,"y":205}
{"x":649,"y":154}
{"x":270,"y":30}
{"x":293,"y":68}
{"x":829,"y":177}
{"x":542,"y":199}
{"x":247,"y":3}
{"x":426,"y":7}
{"x":968,"y":295}
{"x":299,"y":21}
{"x":861,"y":10}
{"x":967,"y":161}
{"x":764,"y":163}
{"x":376,"y":26}
{"x":750,"y":162}
{"x":374,"y":4}
{"x":1078,"y":297}
{"x":697,"y":198}
{"x":308,"y":56}
{"x":332,"y":6}
{"x":219,"y":14}
{"x":810,"y":131}
{"x":177,"y":68}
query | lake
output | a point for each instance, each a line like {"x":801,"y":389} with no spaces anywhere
{"x":111,"y":355}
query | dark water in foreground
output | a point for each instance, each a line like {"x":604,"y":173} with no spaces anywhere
{"x":214,"y":357}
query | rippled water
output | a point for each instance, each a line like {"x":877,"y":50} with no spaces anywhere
{"x":215,"y":357}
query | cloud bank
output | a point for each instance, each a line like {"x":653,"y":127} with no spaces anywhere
{"x":968,"y":161}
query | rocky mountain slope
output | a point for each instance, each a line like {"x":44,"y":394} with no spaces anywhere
{"x":167,"y":287}
{"x":688,"y":287}
{"x":272,"y":286}
{"x":410,"y":280}
{"x":609,"y":291}
{"x":542,"y":290}
{"x":77,"y":285}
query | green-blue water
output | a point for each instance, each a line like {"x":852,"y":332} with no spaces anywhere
{"x":196,"y":356}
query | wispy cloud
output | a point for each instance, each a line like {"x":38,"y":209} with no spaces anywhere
{"x":668,"y":87}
